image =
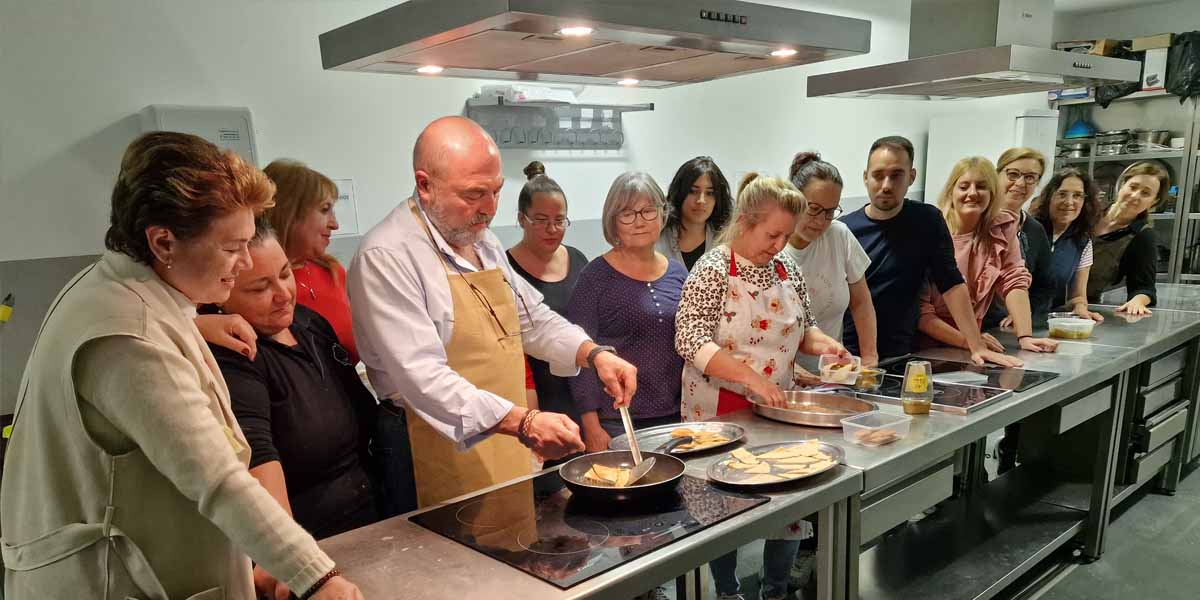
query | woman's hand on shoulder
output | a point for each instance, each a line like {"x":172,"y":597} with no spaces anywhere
{"x":229,"y":331}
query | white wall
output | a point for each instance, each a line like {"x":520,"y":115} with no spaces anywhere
{"x":1126,"y":23}
{"x":75,"y":73}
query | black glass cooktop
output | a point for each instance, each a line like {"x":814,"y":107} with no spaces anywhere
{"x":565,"y":541}
{"x":954,"y":372}
{"x":947,"y":397}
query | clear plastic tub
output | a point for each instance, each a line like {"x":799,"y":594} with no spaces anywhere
{"x":834,"y":369}
{"x":875,"y":428}
{"x":1069,"y":326}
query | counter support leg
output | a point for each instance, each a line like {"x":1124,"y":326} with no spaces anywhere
{"x":1104,"y":472}
{"x":851,"y":533}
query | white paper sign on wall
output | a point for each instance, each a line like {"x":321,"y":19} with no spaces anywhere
{"x":346,"y":208}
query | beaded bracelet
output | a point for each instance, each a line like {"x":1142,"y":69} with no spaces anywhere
{"x":312,"y":591}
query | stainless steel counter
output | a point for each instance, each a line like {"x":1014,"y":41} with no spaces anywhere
{"x":397,"y":559}
{"x":1171,"y":296}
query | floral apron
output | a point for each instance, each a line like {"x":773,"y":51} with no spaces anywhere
{"x":762,"y":328}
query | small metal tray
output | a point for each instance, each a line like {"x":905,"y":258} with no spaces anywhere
{"x":653,"y":438}
{"x":816,"y":409}
{"x":720,"y":472}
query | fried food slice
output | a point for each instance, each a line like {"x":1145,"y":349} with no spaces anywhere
{"x":745,"y":456}
{"x":759,"y":469}
{"x":682,"y":432}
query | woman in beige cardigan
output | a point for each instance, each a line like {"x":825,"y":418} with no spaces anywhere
{"x":126,"y":471}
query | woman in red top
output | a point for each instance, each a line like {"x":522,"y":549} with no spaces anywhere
{"x":303,"y":217}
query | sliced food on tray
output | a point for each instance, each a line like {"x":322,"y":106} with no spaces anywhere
{"x":779,"y":464}
{"x":700,"y":439}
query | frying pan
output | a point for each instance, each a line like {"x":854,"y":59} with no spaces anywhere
{"x":661,"y":479}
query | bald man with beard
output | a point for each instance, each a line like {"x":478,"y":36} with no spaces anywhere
{"x":442,"y":323}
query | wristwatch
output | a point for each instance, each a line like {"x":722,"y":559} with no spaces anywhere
{"x":591,"y":357}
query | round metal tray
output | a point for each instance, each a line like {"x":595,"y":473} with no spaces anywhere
{"x":653,"y":438}
{"x":721,"y":473}
{"x":816,"y":409}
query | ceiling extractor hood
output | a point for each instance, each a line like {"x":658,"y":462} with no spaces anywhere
{"x":976,"y":49}
{"x":651,"y":43}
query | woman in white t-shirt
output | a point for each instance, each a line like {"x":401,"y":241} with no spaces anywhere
{"x":830,"y":257}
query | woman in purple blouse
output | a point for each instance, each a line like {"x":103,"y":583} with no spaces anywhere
{"x":627,"y":299}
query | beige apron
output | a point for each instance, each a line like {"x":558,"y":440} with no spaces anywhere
{"x":480,"y":353}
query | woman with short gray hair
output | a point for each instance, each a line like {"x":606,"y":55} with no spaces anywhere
{"x":627,"y":298}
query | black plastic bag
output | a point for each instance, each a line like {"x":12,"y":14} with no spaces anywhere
{"x":1183,"y":66}
{"x":1105,"y":94}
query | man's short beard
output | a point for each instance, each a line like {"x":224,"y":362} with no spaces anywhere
{"x":458,"y":237}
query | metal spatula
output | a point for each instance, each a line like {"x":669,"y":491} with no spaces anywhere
{"x":641,"y":467}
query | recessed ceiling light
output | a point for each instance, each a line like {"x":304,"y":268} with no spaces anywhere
{"x":628,"y":82}
{"x":784,"y":52}
{"x":577,"y":31}
{"x":430,"y":70}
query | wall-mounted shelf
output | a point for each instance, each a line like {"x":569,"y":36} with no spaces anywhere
{"x":1092,"y":100}
{"x":1174,"y":154}
{"x":552,"y":125}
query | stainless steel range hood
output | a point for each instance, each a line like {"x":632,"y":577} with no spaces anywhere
{"x":936,"y":71}
{"x":655,"y":43}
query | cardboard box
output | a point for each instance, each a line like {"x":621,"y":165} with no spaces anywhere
{"x":1104,"y":47}
{"x":1151,"y":42}
{"x":1154,"y":70}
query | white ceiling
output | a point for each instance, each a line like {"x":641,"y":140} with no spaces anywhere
{"x":1078,"y":6}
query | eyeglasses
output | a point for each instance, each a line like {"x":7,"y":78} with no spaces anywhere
{"x":544,"y":223}
{"x":1030,"y":178}
{"x":650,"y":213}
{"x":815,"y":210}
{"x":1063,"y":196}
{"x":482,"y":298}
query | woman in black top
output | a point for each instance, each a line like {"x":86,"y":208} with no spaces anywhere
{"x":300,"y":403}
{"x":701,"y":204}
{"x":551,"y":267}
{"x":1126,"y":249}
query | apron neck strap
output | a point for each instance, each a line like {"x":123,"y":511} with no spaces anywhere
{"x":780,"y":270}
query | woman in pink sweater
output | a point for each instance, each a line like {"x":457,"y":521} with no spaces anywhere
{"x":988,"y":255}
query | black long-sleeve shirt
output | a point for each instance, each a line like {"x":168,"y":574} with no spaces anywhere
{"x":305,"y":407}
{"x":906,"y":251}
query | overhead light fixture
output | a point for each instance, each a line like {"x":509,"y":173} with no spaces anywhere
{"x":628,"y":82}
{"x":784,"y":52}
{"x":576,"y":31}
{"x":430,"y":70}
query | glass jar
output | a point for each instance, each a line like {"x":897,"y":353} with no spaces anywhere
{"x":916,"y":396}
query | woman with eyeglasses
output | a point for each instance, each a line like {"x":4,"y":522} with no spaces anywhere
{"x":552,"y":268}
{"x":304,"y":411}
{"x":627,"y":299}
{"x":1068,"y":209}
{"x":1020,"y":170}
{"x":988,"y":255}
{"x":700,"y":204}
{"x":832,"y":260}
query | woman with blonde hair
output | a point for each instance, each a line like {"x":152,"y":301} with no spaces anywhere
{"x":988,"y":255}
{"x":304,"y":221}
{"x":744,"y":314}
{"x":1125,"y":247}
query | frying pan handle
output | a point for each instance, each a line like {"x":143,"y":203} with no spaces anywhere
{"x":670,"y":446}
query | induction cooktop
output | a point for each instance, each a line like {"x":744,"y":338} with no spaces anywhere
{"x":952,"y":371}
{"x":947,"y":397}
{"x":563,"y":540}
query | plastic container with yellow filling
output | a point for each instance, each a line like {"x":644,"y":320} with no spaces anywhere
{"x":1070,"y":326}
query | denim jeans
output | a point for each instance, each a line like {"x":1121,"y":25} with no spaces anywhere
{"x":778,"y":556}
{"x":394,"y":461}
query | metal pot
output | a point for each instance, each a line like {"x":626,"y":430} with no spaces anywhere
{"x":1113,"y":136}
{"x":1110,"y":149}
{"x":1162,"y":137}
{"x":1076,"y":154}
{"x":661,"y":480}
